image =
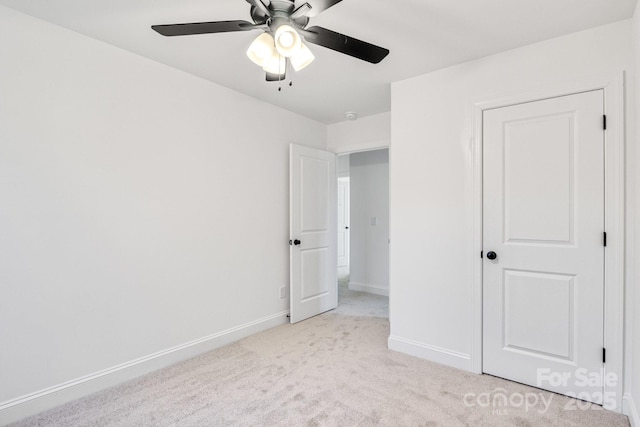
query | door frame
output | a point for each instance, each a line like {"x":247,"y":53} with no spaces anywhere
{"x":346,"y":179}
{"x":363,"y":148}
{"x":613,"y":87}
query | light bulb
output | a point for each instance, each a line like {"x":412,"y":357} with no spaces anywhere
{"x":288,"y":41}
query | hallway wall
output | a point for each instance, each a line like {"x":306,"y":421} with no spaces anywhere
{"x":369,"y":175}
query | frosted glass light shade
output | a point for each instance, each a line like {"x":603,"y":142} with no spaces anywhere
{"x":302,"y":58}
{"x":261,"y":50}
{"x":287,"y":40}
{"x":276,"y":64}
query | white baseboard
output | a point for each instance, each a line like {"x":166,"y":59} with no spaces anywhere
{"x":33,"y":403}
{"x":631,"y":410}
{"x":430,"y":352}
{"x":372,"y":289}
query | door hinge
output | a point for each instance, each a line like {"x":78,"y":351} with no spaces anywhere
{"x":604,"y":122}
{"x":604,"y":355}
{"x":604,"y":239}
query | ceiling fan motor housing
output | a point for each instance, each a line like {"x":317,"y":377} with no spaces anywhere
{"x":282,"y":5}
{"x":280,"y":15}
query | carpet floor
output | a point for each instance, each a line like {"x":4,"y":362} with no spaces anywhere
{"x":356,"y":303}
{"x":331,"y":370}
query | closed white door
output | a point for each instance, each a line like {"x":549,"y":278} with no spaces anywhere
{"x":543,"y":232}
{"x":313,"y":234}
{"x":343,"y":222}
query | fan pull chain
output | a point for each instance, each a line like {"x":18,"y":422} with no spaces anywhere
{"x":280,"y":74}
{"x":283,"y":75}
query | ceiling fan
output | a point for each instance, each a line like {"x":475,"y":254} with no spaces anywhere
{"x":284,"y":26}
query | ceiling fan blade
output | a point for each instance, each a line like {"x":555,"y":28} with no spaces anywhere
{"x":345,"y":44}
{"x":319,"y":6}
{"x":203,"y":28}
{"x":301,"y":11}
{"x":263,"y":8}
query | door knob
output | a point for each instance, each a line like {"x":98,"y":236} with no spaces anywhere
{"x":346,"y":228}
{"x":294,"y":242}
{"x":492,"y":255}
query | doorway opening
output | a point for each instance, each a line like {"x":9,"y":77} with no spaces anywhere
{"x":363,"y":233}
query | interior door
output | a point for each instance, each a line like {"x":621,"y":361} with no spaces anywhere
{"x":313,"y":232}
{"x":343,"y":222}
{"x":543,"y":232}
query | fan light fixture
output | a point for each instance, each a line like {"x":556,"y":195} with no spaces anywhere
{"x":271,"y":53}
{"x":261,"y":50}
{"x":288,"y":41}
{"x":302,"y":58}
{"x":275,"y":64}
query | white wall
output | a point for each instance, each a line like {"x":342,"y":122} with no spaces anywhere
{"x":366,"y":133}
{"x":432,"y":211}
{"x":633,"y":285}
{"x":133,"y":197}
{"x":342,"y":165}
{"x":369,"y":254}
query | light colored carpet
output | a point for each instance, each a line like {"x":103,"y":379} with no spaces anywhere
{"x":331,"y":370}
{"x":356,"y":303}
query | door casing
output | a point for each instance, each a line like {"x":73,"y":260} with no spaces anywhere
{"x":613,"y":86}
{"x":344,"y":212}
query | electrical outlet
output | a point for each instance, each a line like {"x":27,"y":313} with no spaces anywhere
{"x":283,"y":292}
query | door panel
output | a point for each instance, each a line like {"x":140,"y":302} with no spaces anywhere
{"x":313,"y":218}
{"x":314,"y":277}
{"x":527,"y":327}
{"x":543,"y":216}
{"x":314,"y":184}
{"x":538,"y":179}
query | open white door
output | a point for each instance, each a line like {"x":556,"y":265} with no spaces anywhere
{"x":313,"y":232}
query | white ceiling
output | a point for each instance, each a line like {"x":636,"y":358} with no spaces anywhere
{"x":423,"y":35}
